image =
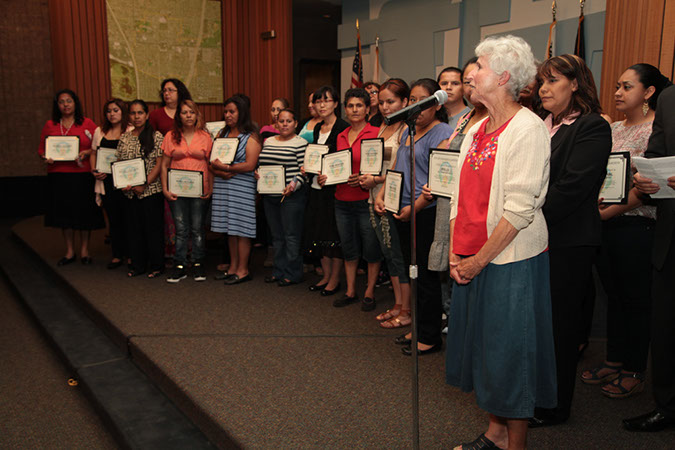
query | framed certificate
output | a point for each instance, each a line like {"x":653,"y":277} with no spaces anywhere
{"x":104,"y":158}
{"x":272,"y":179}
{"x":313,"y":155}
{"x":614,"y":190}
{"x":215,"y":127}
{"x":224,"y":150}
{"x":443,"y":171}
{"x":337,"y":166}
{"x":62,"y":148}
{"x":130,"y":172}
{"x":186,"y":183}
{"x":372,"y":156}
{"x":393,"y":191}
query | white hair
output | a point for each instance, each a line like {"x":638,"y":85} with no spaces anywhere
{"x":509,"y":54}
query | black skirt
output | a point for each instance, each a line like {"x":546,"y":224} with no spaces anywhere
{"x":71,"y":202}
{"x":320,"y":237}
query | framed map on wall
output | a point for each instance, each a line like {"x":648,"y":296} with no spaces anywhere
{"x":156,"y":39}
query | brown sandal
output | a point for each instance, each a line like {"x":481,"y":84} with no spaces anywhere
{"x":397,"y":322}
{"x":390,"y":313}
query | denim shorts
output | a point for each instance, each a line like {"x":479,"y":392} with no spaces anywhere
{"x":357,"y":236}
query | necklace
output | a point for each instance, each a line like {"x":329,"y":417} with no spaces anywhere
{"x":65,"y":133}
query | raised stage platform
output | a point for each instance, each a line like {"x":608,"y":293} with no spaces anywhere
{"x":258,"y":366}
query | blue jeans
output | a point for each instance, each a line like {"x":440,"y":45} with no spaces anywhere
{"x":189,"y":215}
{"x":285,"y":220}
{"x":390,"y":244}
{"x":357,"y":236}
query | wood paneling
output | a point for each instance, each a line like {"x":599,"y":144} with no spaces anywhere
{"x":636,"y":31}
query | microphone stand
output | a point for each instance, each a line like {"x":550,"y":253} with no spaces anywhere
{"x":412,"y":271}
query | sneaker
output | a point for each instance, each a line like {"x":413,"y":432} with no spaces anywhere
{"x":177,"y":274}
{"x":199,"y":272}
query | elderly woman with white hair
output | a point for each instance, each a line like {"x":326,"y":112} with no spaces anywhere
{"x":500,"y":339}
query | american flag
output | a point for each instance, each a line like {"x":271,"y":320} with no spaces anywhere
{"x":550,"y":45}
{"x":580,"y":44}
{"x":357,"y":67}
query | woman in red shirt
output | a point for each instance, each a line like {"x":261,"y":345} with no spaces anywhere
{"x":71,"y":202}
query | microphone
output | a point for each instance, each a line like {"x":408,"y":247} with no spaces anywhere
{"x":439,"y":98}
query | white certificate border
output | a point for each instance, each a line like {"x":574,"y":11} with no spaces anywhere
{"x":61,"y":138}
{"x":400,"y":190}
{"x":99,"y":159}
{"x":234,"y":154}
{"x":337,"y":155}
{"x":625,"y":156}
{"x":442,"y":150}
{"x":126,"y":162}
{"x":320,"y":163}
{"x":272,"y":168}
{"x":190,"y":173}
{"x":381,"y":165}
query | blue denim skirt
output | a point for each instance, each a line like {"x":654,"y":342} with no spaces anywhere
{"x":500,"y":338}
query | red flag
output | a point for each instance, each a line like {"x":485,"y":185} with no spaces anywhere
{"x":357,"y":67}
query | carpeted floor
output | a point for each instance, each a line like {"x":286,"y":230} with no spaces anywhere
{"x":281,"y":368}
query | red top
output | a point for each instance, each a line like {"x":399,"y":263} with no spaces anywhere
{"x":470,"y":233}
{"x":344,"y":192}
{"x":85,"y":132}
{"x":160,"y":121}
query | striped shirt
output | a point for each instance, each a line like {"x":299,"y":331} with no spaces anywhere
{"x":290,"y":154}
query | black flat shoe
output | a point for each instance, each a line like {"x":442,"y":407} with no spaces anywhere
{"x":402,"y":340}
{"x":114,"y":264}
{"x":318,"y":287}
{"x":65,"y":261}
{"x":435,"y":349}
{"x":272,"y":279}
{"x":344,"y":301}
{"x":650,"y":422}
{"x":235,"y":279}
{"x":327,"y":292}
{"x":284,"y":283}
{"x":86,"y":260}
{"x":544,"y":418}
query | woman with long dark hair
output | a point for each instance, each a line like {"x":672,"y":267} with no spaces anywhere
{"x":71,"y":202}
{"x":172,"y":93}
{"x":115,"y":122}
{"x":144,"y":206}
{"x":234,"y":188}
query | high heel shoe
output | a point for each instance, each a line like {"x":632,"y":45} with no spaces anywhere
{"x":327,"y":292}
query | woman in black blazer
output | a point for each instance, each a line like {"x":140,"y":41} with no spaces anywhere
{"x":321,"y":237}
{"x":581,"y":141}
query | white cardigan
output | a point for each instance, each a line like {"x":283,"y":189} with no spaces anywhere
{"x":519,"y":184}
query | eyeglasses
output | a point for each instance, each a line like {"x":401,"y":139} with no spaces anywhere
{"x":169,"y":91}
{"x":373,"y":92}
{"x":324,"y":101}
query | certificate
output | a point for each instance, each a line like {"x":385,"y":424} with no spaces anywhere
{"x":313,"y":154}
{"x":272,"y":179}
{"x":215,"y":127}
{"x":614,"y":190}
{"x":443,"y":171}
{"x":104,"y":158}
{"x":372,"y":156}
{"x":393,"y":191}
{"x":337,"y":166}
{"x":658,"y":170}
{"x":62,"y":148}
{"x":186,"y":183}
{"x":130,"y":172}
{"x":224,"y":149}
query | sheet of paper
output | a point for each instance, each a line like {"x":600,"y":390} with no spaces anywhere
{"x":658,"y":170}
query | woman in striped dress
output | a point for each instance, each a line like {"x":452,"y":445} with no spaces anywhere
{"x":234,"y":188}
{"x":285,"y":213}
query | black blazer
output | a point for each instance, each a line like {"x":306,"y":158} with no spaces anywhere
{"x":662,"y":143}
{"x":338,"y":127}
{"x":579,"y":154}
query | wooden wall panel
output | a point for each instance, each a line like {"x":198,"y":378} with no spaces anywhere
{"x":635,"y":31}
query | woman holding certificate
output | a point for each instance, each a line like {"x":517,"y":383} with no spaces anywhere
{"x":500,"y":341}
{"x":581,"y":141}
{"x":393,"y":96}
{"x":104,"y":146}
{"x":285,"y":213}
{"x":187,"y":185}
{"x":624,"y":264}
{"x":321,"y":237}
{"x":357,"y":236}
{"x":144,"y":205}
{"x":65,"y":145}
{"x":234,"y":188}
